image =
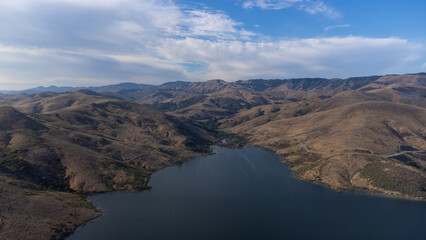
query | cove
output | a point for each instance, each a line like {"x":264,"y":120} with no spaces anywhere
{"x":248,"y":193}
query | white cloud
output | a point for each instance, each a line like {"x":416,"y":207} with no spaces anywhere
{"x":316,"y":7}
{"x":270,"y":4}
{"x":211,"y":23}
{"x":336,"y":26}
{"x":140,"y":17}
{"x":340,"y":57}
{"x":76,"y":42}
{"x":309,"y":6}
{"x":25,"y":4}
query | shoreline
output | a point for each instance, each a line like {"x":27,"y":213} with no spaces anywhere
{"x":341,"y":190}
{"x":293,"y":173}
{"x":88,"y":194}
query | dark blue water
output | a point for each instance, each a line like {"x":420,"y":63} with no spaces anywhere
{"x":248,"y":194}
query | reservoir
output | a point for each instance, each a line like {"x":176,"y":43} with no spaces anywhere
{"x":245,"y":194}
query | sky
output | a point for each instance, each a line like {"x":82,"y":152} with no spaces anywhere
{"x":100,"y":42}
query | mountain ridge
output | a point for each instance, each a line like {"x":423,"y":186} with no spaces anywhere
{"x":362,"y":133}
{"x":173,"y":84}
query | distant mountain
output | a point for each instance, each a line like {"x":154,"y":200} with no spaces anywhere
{"x":101,"y":89}
{"x":120,"y":86}
{"x":197,"y":87}
{"x":307,"y":84}
{"x":39,"y":89}
{"x":174,"y":85}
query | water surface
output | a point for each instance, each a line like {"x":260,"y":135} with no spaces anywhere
{"x":248,"y":194}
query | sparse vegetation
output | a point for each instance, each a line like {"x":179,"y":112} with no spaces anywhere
{"x":194,"y":140}
{"x":60,"y":230}
{"x":275,"y":109}
{"x":392,"y":178}
{"x":233,"y":140}
{"x":285,"y":157}
{"x":10,"y":159}
{"x":57,"y":144}
{"x":303,"y":169}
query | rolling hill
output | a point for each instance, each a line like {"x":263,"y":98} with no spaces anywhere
{"x":350,"y":125}
{"x":373,"y":138}
{"x":365,"y":133}
{"x":58,"y":145}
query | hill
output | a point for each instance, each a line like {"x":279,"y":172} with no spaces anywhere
{"x":372,"y":138}
{"x":365,"y":133}
{"x":57,"y":145}
{"x":217,"y":99}
{"x":343,"y":122}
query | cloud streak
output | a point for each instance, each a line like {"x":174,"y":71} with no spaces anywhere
{"x":309,"y":6}
{"x":336,"y":26}
{"x":292,"y":58}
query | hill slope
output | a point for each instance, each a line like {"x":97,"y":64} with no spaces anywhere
{"x":56,"y":145}
{"x":366,"y":133}
{"x":372,"y":138}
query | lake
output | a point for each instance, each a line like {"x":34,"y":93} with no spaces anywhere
{"x":248,"y":193}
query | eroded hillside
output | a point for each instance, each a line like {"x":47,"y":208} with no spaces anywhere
{"x":54,"y":146}
{"x":366,"y":133}
{"x":373,"y":138}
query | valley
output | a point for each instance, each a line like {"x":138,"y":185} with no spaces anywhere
{"x":363,"y":134}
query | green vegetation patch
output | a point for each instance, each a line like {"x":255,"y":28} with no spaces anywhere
{"x":304,"y":168}
{"x":233,"y":140}
{"x":194,"y":139}
{"x":138,"y":177}
{"x":31,"y":192}
{"x":9,"y":158}
{"x":393,"y":178}
{"x":60,"y":230}
{"x":83,"y":203}
{"x":50,"y":176}
{"x":293,"y":163}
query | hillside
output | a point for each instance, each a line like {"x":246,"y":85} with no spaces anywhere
{"x":214,"y":99}
{"x":57,"y":145}
{"x":366,"y":133}
{"x":373,"y":138}
{"x":343,"y":122}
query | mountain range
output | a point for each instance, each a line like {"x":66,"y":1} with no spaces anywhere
{"x":53,"y":88}
{"x":59,"y":144}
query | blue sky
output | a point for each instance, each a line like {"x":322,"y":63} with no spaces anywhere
{"x":98,"y":42}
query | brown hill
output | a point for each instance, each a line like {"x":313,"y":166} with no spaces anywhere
{"x":217,"y":99}
{"x":364,"y":133}
{"x":408,"y":80}
{"x":11,"y":119}
{"x":346,"y":122}
{"x":216,"y":105}
{"x":35,"y":199}
{"x":306,"y":88}
{"x":111,"y":130}
{"x":207,"y":86}
{"x":81,"y":142}
{"x":408,"y":89}
{"x":346,"y":136}
{"x":214,"y":99}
